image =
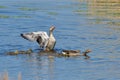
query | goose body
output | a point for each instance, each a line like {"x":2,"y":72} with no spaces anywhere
{"x":75,"y":53}
{"x":71,"y":52}
{"x":46,"y":42}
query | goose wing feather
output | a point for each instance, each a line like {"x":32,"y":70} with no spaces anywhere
{"x":40,"y":36}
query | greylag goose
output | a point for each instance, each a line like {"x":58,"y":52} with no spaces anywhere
{"x":46,"y":42}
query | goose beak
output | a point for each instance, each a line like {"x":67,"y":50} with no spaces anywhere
{"x":52,"y":28}
{"x":88,"y":50}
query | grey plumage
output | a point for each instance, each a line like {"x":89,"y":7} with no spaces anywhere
{"x":46,"y":42}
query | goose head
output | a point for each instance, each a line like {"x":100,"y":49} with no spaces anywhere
{"x":52,"y":28}
{"x":87,"y":51}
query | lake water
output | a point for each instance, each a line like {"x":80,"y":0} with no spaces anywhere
{"x":80,"y":24}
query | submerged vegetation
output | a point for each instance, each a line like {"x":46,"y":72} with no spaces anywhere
{"x":53,"y":13}
{"x":28,"y":9}
{"x":4,"y":16}
{"x":2,"y":7}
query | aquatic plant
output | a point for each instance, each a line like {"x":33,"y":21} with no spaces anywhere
{"x":4,"y":16}
{"x":2,"y":7}
{"x":23,"y":16}
{"x":53,"y":13}
{"x":28,"y":9}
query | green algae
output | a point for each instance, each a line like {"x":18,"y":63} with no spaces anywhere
{"x":4,"y":16}
{"x":53,"y":13}
{"x":28,"y":9}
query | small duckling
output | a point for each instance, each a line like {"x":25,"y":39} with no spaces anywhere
{"x":13,"y":53}
{"x":26,"y":52}
{"x":29,"y":51}
{"x":22,"y":52}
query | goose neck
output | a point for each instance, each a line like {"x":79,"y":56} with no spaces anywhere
{"x":51,"y":33}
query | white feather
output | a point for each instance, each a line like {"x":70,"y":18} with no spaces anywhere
{"x":45,"y":41}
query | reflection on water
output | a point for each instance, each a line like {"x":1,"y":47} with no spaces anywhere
{"x":104,"y":8}
{"x":103,"y":11}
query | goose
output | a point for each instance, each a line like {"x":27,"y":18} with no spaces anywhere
{"x":75,"y":53}
{"x":41,"y":37}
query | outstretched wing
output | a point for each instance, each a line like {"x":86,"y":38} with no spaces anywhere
{"x":40,"y":36}
{"x":29,"y":36}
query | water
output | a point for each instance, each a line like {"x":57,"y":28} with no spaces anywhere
{"x":79,"y":25}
